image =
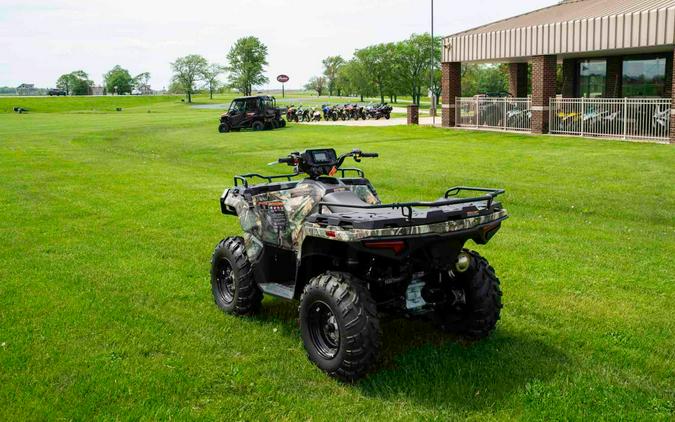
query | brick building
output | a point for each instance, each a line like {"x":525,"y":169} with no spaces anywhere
{"x":615,"y":58}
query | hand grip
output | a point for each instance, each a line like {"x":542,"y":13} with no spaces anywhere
{"x":370,"y":154}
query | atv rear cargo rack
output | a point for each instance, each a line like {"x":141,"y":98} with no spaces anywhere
{"x":407,"y":207}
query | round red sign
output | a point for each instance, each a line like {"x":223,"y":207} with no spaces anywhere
{"x":282,"y":78}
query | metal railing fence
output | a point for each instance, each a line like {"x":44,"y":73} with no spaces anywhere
{"x":623,"y":118}
{"x":505,"y":113}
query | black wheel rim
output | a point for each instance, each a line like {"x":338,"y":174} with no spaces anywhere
{"x":323,"y":329}
{"x":225,"y":283}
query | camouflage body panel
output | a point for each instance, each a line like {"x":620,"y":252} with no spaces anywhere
{"x":365,"y":193}
{"x":350,"y":235}
{"x":278,"y":217}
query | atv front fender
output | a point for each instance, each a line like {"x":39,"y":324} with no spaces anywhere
{"x":225,"y":208}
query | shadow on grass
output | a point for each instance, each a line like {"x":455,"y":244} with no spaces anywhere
{"x":421,"y":364}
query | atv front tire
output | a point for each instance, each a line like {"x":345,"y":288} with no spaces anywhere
{"x":232,"y":282}
{"x":223,"y":128}
{"x":478,"y":317}
{"x":339,"y":324}
{"x":258,"y":125}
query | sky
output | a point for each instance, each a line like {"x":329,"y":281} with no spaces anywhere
{"x":40,"y":40}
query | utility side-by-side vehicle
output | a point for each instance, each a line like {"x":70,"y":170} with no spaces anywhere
{"x":257,"y":113}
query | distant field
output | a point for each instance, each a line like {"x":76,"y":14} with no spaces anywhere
{"x":83,"y":103}
{"x":108,"y":221}
{"x":104,"y":104}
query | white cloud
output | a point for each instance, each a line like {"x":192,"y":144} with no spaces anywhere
{"x":39,"y":40}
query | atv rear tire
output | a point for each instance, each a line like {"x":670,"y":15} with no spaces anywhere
{"x":232,"y":282}
{"x":339,"y":325}
{"x":480,"y":314}
{"x":258,"y":125}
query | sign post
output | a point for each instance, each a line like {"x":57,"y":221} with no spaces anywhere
{"x":283,"y":79}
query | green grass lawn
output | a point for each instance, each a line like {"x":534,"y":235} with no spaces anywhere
{"x":108,"y":221}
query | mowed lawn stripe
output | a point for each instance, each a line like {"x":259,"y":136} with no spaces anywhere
{"x":105,"y":308}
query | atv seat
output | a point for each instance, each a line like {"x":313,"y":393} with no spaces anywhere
{"x":349,"y":198}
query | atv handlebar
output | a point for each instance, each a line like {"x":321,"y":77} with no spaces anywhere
{"x":356,"y":154}
{"x":321,"y":162}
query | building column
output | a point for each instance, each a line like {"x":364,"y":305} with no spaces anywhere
{"x":672,"y":96}
{"x":543,"y":89}
{"x":569,"y":70}
{"x":413,"y":114}
{"x":451,"y":88}
{"x":518,"y":79}
{"x":614,"y":77}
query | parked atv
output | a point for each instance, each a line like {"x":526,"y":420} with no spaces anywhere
{"x":292,"y":113}
{"x":329,"y":112}
{"x":316,"y":115}
{"x":327,"y":241}
{"x":257,"y":113}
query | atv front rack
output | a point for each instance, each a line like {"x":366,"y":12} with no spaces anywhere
{"x":244,"y":178}
{"x":407,"y":207}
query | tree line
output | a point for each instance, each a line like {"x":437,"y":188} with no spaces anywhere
{"x":384,"y":70}
{"x":116,"y":81}
{"x":245,"y":69}
{"x":401,"y":68}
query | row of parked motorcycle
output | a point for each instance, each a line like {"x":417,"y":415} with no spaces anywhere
{"x":335,"y":112}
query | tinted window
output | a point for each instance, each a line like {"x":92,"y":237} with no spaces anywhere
{"x":592,"y":76}
{"x":644,"y":77}
{"x":238,"y":105}
{"x":252,"y":104}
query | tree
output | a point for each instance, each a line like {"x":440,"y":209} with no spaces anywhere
{"x":317,"y":83}
{"x":65,"y":82}
{"x":355,"y":78}
{"x":247,"y":60}
{"x":210,"y":76}
{"x":483,"y":78}
{"x":142,"y":82}
{"x":413,"y":56}
{"x":331,"y":70}
{"x":376,"y":59}
{"x":75,"y":83}
{"x":118,"y":81}
{"x":187,"y":71}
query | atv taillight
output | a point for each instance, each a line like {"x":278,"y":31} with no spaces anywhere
{"x":393,"y":245}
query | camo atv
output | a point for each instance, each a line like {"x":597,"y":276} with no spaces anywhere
{"x":330,"y":243}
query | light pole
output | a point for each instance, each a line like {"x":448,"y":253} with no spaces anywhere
{"x":431,"y":72}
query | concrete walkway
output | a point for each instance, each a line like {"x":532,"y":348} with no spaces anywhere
{"x":395,"y":121}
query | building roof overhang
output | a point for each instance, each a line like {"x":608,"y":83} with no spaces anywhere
{"x":572,"y":28}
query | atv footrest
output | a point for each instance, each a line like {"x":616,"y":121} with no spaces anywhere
{"x":276,"y":289}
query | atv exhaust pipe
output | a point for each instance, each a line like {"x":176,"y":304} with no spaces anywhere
{"x":463,"y":262}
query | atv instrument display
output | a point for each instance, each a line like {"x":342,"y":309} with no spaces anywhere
{"x":325,"y":239}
